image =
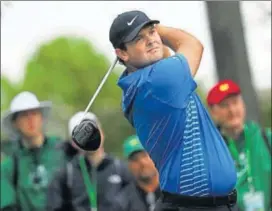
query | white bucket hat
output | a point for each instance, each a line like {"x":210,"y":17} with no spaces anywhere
{"x":76,"y":118}
{"x":24,"y":101}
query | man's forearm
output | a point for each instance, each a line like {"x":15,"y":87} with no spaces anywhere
{"x":184,"y":43}
{"x":176,"y":38}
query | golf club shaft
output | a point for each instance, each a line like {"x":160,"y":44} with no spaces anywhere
{"x":100,"y":87}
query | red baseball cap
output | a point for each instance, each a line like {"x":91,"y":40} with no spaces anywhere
{"x":222,"y":90}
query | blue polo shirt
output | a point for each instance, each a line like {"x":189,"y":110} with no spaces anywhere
{"x":176,"y":130}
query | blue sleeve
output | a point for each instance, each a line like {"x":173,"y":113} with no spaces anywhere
{"x":171,"y":82}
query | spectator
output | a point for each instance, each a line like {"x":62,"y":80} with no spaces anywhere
{"x":26,"y":173}
{"x":143,"y":194}
{"x":248,"y":142}
{"x":90,"y":181}
{"x":68,"y":147}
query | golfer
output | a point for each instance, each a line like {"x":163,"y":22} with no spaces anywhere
{"x":159,"y":100}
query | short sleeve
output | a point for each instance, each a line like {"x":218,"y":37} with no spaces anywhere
{"x":171,"y":82}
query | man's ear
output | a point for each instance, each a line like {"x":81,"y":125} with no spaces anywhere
{"x":122,"y":54}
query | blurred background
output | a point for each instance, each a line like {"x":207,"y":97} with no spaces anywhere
{"x":60,"y":51}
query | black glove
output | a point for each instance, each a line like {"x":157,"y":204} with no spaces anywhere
{"x":86,"y":135}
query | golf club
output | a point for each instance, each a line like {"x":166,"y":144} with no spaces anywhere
{"x":99,"y":87}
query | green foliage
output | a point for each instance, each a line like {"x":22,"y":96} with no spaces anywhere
{"x":116,"y":129}
{"x":69,"y":70}
{"x":265,"y":107}
{"x":201,"y":93}
{"x":266,"y":116}
{"x":8,"y":90}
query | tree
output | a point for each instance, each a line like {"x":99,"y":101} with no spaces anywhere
{"x":69,"y":70}
{"x":8,"y":90}
{"x":265,"y":104}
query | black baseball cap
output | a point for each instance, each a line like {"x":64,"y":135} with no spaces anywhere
{"x":127,"y":25}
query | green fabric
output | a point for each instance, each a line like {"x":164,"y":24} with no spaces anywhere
{"x":131,"y":145}
{"x":7,"y":148}
{"x":30,"y":197}
{"x":260,"y":163}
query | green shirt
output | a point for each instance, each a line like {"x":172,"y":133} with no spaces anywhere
{"x":259,"y":162}
{"x":35,"y":170}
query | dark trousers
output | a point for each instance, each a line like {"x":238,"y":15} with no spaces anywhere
{"x":172,"y":202}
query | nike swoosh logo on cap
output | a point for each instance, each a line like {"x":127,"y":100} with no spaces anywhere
{"x":131,"y":22}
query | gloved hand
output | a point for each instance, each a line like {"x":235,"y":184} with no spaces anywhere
{"x":86,"y":135}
